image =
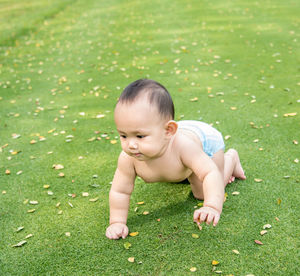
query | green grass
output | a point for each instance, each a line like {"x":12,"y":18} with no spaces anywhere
{"x":61,"y":58}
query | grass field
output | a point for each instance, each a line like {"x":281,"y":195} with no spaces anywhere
{"x":63,"y":64}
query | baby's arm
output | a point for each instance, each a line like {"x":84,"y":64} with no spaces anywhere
{"x":119,"y":197}
{"x":209,"y":176}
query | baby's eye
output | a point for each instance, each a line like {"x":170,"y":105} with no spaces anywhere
{"x":123,"y":136}
{"x":140,"y":136}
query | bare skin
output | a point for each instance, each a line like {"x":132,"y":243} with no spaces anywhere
{"x":156,"y":151}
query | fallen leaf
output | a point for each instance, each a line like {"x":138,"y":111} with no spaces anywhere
{"x":233,"y":108}
{"x":61,"y":175}
{"x":258,"y":242}
{"x":193,"y":269}
{"x":194,"y":99}
{"x":267,"y":226}
{"x":295,"y":142}
{"x":235,"y":251}
{"x":113,"y":142}
{"x":296,"y":160}
{"x":94,"y":199}
{"x":258,"y":180}
{"x":146,"y":213}
{"x":290,"y":114}
{"x":29,"y":236}
{"x":7,"y":172}
{"x":68,"y":234}
{"x":33,"y":202}
{"x":131,"y":259}
{"x":58,"y":167}
{"x":235,"y":193}
{"x":127,"y":245}
{"x":227,"y":137}
{"x":46,"y":186}
{"x":21,"y":243}
{"x":31,"y":211}
{"x":214,"y":262}
{"x":133,"y":234}
{"x":20,"y":229}
{"x":85,"y":194}
{"x":263,"y":232}
{"x":195,"y":236}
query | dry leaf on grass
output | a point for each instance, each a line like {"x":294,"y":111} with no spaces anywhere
{"x":131,"y":259}
{"x":21,"y":243}
{"x":214,"y":262}
{"x":133,"y":234}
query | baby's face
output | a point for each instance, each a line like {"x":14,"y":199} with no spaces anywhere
{"x":142,"y":129}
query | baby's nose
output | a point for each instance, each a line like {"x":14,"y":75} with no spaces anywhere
{"x":132,"y":144}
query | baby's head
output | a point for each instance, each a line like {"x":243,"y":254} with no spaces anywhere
{"x":144,"y":119}
{"x":156,"y":94}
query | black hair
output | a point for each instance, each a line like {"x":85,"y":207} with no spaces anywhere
{"x":156,"y":93}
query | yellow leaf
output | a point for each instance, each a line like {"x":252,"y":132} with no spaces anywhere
{"x":46,"y":186}
{"x":193,"y":269}
{"x":195,"y":236}
{"x":258,"y":180}
{"x":235,"y":251}
{"x":214,"y":262}
{"x":133,"y":234}
{"x":146,"y":213}
{"x":141,"y":203}
{"x":94,"y":199}
{"x":194,"y":99}
{"x":113,"y":142}
{"x":290,"y":114}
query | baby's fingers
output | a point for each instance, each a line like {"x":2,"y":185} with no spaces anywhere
{"x":216,"y":219}
{"x":125,"y":232}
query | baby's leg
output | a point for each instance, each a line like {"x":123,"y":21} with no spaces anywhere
{"x":229,"y":165}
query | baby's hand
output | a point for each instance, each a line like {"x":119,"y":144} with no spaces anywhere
{"x":116,"y":231}
{"x":206,"y":214}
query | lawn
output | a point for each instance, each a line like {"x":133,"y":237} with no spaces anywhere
{"x":63,"y":64}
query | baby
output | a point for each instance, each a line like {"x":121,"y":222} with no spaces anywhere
{"x":159,"y":149}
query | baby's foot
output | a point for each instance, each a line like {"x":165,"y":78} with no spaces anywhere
{"x":238,"y":171}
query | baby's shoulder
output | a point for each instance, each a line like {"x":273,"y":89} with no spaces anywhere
{"x":185,"y":140}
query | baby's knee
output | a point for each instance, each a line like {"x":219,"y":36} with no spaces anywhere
{"x":198,"y":196}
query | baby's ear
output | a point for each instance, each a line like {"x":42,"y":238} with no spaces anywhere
{"x":171,"y":128}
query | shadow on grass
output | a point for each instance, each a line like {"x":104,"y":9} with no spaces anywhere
{"x":169,"y":212}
